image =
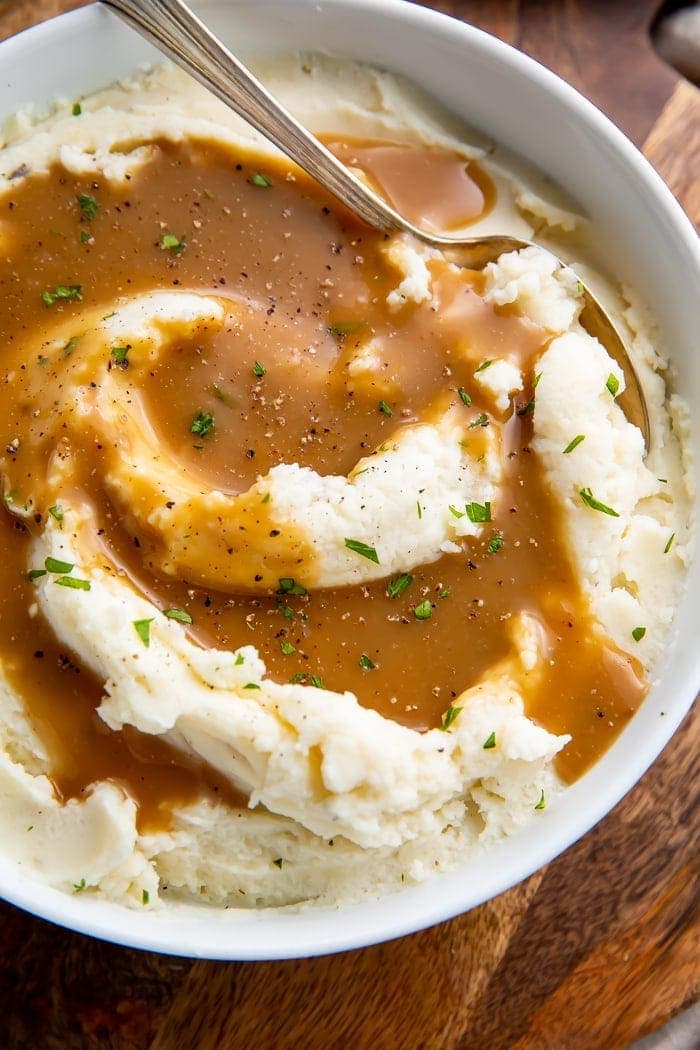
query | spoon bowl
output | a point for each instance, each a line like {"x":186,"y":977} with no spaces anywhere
{"x":175,"y":30}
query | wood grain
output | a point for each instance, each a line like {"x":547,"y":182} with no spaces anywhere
{"x":594,"y":951}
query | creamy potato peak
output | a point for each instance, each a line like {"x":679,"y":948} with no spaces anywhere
{"x":323,"y":560}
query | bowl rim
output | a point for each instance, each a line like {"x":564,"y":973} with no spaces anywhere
{"x":334,"y":929}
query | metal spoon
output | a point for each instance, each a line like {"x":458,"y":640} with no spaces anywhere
{"x":175,"y":30}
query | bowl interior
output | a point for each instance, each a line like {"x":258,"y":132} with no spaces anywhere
{"x":648,"y":243}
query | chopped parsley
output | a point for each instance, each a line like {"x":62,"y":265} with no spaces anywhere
{"x":178,"y":614}
{"x":362,"y":549}
{"x":444,"y":592}
{"x":638,"y":633}
{"x":483,"y":366}
{"x":170,"y":243}
{"x":80,"y":886}
{"x":612,"y":383}
{"x":306,"y":678}
{"x":343,"y":329}
{"x":365,"y":663}
{"x":259,"y":370}
{"x":240,"y":659}
{"x":541,"y":804}
{"x":36,"y":574}
{"x":495,"y":544}
{"x":145,"y":897}
{"x":143,"y":630}
{"x":71,"y":345}
{"x":89,"y":207}
{"x":258,"y":179}
{"x":456,"y":513}
{"x":67,"y":292}
{"x":57,"y":513}
{"x":84,"y":237}
{"x":222,"y":395}
{"x":526,"y":409}
{"x":58,"y":566}
{"x":595,"y":504}
{"x":573,"y":443}
{"x":202,"y":424}
{"x":419,"y":510}
{"x":396,"y":586}
{"x":480,"y":421}
{"x":251,"y":685}
{"x":287,"y":648}
{"x":466,"y":399}
{"x":288,"y":585}
{"x":386,"y":409}
{"x":451,"y":715}
{"x":669,"y":542}
{"x":424,"y":610}
{"x":278,"y":863}
{"x":77,"y":109}
{"x":490,"y":742}
{"x":120,"y":355}
{"x":478,"y":512}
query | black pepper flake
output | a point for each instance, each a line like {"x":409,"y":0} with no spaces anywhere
{"x":39,"y":654}
{"x":250,"y":453}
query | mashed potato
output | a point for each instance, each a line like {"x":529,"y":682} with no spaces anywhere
{"x":342,"y":800}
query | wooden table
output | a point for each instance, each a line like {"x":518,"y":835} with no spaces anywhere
{"x":592,"y":952}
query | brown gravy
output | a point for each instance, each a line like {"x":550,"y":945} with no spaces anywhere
{"x":309,"y":284}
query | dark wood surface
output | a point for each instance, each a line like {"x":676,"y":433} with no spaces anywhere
{"x":592,"y":952}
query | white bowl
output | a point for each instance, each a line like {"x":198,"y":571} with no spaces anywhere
{"x":650,"y":245}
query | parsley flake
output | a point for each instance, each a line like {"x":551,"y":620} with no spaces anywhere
{"x":77,"y":109}
{"x":483,"y":366}
{"x":259,"y":370}
{"x":398,"y":585}
{"x":278,"y":862}
{"x":495,"y":544}
{"x":170,"y":243}
{"x":490,"y":742}
{"x":73,"y":582}
{"x":288,"y":585}
{"x":466,"y":399}
{"x":365,"y":663}
{"x":574,"y":443}
{"x":67,"y":292}
{"x":251,"y":685}
{"x":120,"y":355}
{"x":541,"y":804}
{"x":451,"y":715}
{"x":145,"y":897}
{"x":258,"y":179}
{"x":362,"y":549}
{"x":444,"y":592}
{"x":595,"y":504}
{"x":419,"y":510}
{"x":57,"y":513}
{"x":303,"y":677}
{"x":424,"y":610}
{"x":386,"y":409}
{"x":202,"y":424}
{"x":341,"y":330}
{"x":79,"y":886}
{"x":58,"y":566}
{"x":480,"y":421}
{"x":612,"y":383}
{"x":669,"y":542}
{"x":638,"y":633}
{"x":89,"y":206}
{"x":178,"y":614}
{"x":478,"y":512}
{"x":456,"y":513}
{"x":143,"y":630}
{"x":287,"y":648}
{"x":36,"y":574}
{"x":240,"y":659}
{"x":71,"y":345}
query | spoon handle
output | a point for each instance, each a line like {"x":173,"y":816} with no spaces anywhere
{"x":175,"y":30}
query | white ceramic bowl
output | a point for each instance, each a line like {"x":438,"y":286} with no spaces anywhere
{"x":650,"y":244}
